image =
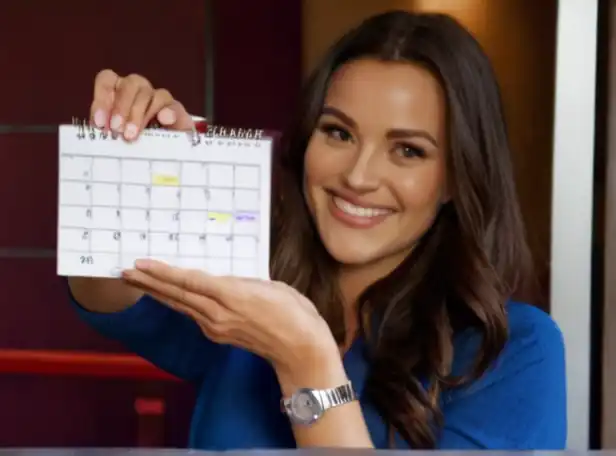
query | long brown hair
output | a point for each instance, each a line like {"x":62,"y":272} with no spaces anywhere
{"x":461,"y":272}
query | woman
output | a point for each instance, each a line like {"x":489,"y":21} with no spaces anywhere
{"x":397,"y":245}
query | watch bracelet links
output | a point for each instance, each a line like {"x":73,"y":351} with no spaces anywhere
{"x":340,"y":395}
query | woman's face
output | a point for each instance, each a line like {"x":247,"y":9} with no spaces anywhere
{"x":375,"y":164}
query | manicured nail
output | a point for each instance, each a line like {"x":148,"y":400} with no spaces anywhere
{"x":100,"y":118}
{"x":127,"y":274}
{"x":131,"y":131}
{"x":142,"y":264}
{"x":116,"y":122}
{"x":166,"y":116}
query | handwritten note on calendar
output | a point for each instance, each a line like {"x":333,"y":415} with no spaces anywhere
{"x":200,"y":202}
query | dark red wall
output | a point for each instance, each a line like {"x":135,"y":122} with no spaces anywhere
{"x":51,"y":51}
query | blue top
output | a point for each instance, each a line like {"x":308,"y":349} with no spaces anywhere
{"x":520,"y":404}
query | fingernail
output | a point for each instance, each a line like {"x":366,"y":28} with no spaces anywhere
{"x":141,"y":264}
{"x":166,"y":116}
{"x":100,"y":118}
{"x":128,"y":274}
{"x":131,"y":131}
{"x":116,"y":122}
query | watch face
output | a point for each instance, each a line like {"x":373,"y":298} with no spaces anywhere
{"x":306,"y":407}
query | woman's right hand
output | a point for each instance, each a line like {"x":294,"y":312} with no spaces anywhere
{"x":127,"y":104}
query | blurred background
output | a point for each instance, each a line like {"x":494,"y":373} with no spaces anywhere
{"x":241,"y":63}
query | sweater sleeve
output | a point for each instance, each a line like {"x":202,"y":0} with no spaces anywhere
{"x":169,"y":340}
{"x":520,"y":403}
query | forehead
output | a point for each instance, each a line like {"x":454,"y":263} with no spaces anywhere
{"x":390,"y":93}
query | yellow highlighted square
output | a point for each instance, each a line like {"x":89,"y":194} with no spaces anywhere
{"x":165,"y":179}
{"x":219,"y":216}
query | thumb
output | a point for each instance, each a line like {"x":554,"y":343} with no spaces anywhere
{"x":175,"y":117}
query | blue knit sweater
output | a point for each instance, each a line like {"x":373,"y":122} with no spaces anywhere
{"x":519,"y":404}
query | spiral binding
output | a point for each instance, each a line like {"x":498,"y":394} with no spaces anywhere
{"x":207,"y":134}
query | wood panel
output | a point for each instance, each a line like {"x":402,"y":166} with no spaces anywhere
{"x":53,"y":49}
{"x":257,"y":62}
{"x":28,"y":190}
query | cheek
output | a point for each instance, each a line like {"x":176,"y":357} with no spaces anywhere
{"x":423,"y":189}
{"x":321,"y":167}
{"x":311,"y":166}
{"x":313,"y":175}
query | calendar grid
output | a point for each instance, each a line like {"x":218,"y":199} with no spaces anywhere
{"x":232,"y":206}
{"x":135,"y":231}
{"x":219,"y":187}
{"x":177,"y":246}
{"x":154,"y":160}
{"x":90,"y":170}
{"x":139,"y":207}
{"x":171,"y":256}
{"x":122,"y":239}
{"x":193,"y":208}
{"x":148,"y":210}
{"x":206,"y":190}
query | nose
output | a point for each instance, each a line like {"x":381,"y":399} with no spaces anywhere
{"x":362,"y":173}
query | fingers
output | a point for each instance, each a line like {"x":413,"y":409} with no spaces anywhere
{"x":125,"y":96}
{"x":175,"y":296}
{"x":104,"y":93}
{"x":136,"y":120}
{"x":160,"y":100}
{"x":146,"y":104}
{"x":175,"y":117}
{"x":128,"y":104}
{"x":191,"y":281}
{"x":202,"y":319}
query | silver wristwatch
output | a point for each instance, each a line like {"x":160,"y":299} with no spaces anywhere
{"x":307,"y":405}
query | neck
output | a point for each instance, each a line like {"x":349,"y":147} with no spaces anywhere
{"x":355,"y":279}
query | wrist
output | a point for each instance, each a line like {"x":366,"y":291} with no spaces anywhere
{"x":316,"y":364}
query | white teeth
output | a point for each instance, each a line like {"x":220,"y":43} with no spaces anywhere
{"x":358,"y":211}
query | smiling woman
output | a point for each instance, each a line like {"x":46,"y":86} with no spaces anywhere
{"x":397,"y":242}
{"x":375,"y":162}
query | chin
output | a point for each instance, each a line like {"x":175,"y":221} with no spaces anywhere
{"x":380,"y":245}
{"x":354,"y":252}
{"x":353,"y":257}
{"x":364,"y":248}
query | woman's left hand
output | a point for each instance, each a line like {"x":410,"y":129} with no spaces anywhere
{"x":270,"y":319}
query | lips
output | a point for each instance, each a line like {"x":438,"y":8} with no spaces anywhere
{"x":355,"y":214}
{"x":359,"y":211}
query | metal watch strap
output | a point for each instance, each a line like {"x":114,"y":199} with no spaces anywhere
{"x":340,"y":395}
{"x":318,"y":402}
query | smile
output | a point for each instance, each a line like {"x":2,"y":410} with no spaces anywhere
{"x":356,"y":216}
{"x":359,"y":211}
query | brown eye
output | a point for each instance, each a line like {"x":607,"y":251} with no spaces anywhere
{"x":336,"y":133}
{"x":409,"y":151}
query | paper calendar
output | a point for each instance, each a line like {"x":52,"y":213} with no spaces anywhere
{"x":198,"y":201}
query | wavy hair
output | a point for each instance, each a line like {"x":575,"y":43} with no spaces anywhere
{"x":462,"y":270}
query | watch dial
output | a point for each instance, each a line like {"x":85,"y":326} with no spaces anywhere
{"x":305,"y":406}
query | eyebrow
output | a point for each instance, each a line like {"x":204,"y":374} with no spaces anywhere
{"x":395,"y":133}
